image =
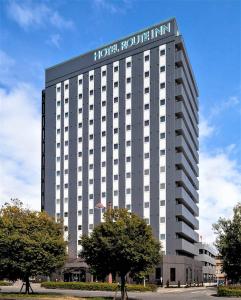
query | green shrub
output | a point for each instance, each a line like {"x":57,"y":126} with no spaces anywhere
{"x":95,"y":286}
{"x":5,"y":283}
{"x":234,"y":291}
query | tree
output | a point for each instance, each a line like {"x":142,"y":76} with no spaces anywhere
{"x":31,"y":243}
{"x":122,"y":244}
{"x":228,"y":243}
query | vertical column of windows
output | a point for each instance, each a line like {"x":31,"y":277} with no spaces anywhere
{"x":146,"y":134}
{"x":58,"y":150}
{"x":79,"y":157}
{"x":66,"y":156}
{"x":162,"y":143}
{"x":116,"y":134}
{"x":128,"y":131}
{"x":91,"y":152}
{"x":103,"y":134}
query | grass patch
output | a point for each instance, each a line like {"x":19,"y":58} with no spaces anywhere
{"x":96,"y":286}
{"x":5,"y":283}
{"x":229,"y":291}
{"x":13,"y":296}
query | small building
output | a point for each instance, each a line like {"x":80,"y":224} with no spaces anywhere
{"x":220,"y":275}
{"x":207,"y":256}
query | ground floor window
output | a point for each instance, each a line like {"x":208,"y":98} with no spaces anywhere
{"x":173,"y":274}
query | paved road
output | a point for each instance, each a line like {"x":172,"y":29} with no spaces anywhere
{"x":164,"y":294}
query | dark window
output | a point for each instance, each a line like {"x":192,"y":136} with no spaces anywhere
{"x":162,"y":152}
{"x":162,"y":52}
{"x":162,"y":203}
{"x":116,"y":84}
{"x":146,"y":106}
{"x":103,"y":149}
{"x":58,"y":117}
{"x":79,"y":227}
{"x":128,"y":143}
{"x":162,"y":69}
{"x":115,"y":68}
{"x":115,"y":99}
{"x":58,"y":89}
{"x":128,"y":80}
{"x":128,"y":111}
{"x":128,"y":175}
{"x":146,"y":204}
{"x":91,"y":122}
{"x":115,"y":130}
{"x":103,"y":118}
{"x":80,"y":110}
{"x":146,"y":172}
{"x":162,"y":220}
{"x":91,"y":92}
{"x":66,"y":100}
{"x":128,"y":96}
{"x":147,"y":74}
{"x":91,"y":151}
{"x":146,"y":122}
{"x":103,"y":73}
{"x":115,"y":146}
{"x":162,"y":119}
{"x":147,"y":58}
{"x":80,"y":139}
{"x":80,"y":81}
{"x":162,"y":236}
{"x":115,"y":115}
{"x":79,"y":198}
{"x":146,"y":188}
{"x":103,"y":133}
{"x":162,"y":135}
{"x":91,"y":107}
{"x":128,"y":127}
{"x":128,"y":65}
{"x":128,"y":191}
{"x":158,"y":273}
{"x":80,"y":212}
{"x":146,"y":155}
{"x":103,"y":103}
{"x":66,"y":143}
{"x":58,"y":103}
{"x":162,"y":85}
{"x":66,"y":214}
{"x":115,"y":177}
{"x":146,"y":139}
{"x":80,"y":154}
{"x":172,"y":274}
{"x":91,"y":136}
{"x":103,"y":88}
{"x":128,"y":158}
{"x":162,"y":102}
{"x":128,"y":206}
{"x":91,"y":77}
{"x":115,"y":161}
{"x":80,"y":96}
{"x":66,"y":86}
{"x":146,"y":90}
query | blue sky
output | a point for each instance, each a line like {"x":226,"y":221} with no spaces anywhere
{"x":37,"y":34}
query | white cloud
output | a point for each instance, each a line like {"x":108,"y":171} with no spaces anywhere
{"x":205,"y":129}
{"x":222,"y":106}
{"x":6,"y":65}
{"x":29,"y":14}
{"x":54,"y":40}
{"x":113,"y":6}
{"x":220,"y":190}
{"x":20,"y":133}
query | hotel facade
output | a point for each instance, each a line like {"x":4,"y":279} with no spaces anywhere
{"x":120,"y":128}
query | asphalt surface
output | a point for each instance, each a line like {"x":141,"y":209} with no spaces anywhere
{"x":198,"y":293}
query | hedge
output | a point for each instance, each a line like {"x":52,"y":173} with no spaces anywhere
{"x":95,"y":286}
{"x":5,"y":283}
{"x":233,"y":291}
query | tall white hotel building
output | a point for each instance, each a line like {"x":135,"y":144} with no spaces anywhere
{"x":120,"y":127}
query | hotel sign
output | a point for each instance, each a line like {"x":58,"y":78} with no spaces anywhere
{"x":132,"y":41}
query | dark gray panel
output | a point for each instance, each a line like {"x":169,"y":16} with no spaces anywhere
{"x":122,"y":128}
{"x":85,"y":173}
{"x":73,"y":168}
{"x":137,"y":134}
{"x":170,"y":150}
{"x":43,"y":152}
{"x":50,"y":150}
{"x":109,"y":141}
{"x":97,"y":144}
{"x":154,"y":141}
